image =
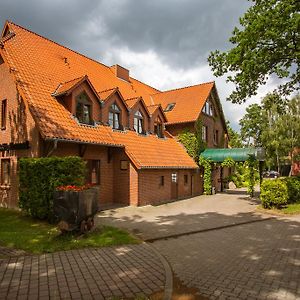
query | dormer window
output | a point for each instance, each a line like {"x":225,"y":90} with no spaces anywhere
{"x":83,"y":109}
{"x":208,"y":109}
{"x":138,"y":122}
{"x":158,"y":128}
{"x":114,"y":116}
{"x":170,"y":107}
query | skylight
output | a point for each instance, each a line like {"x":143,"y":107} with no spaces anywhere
{"x":170,"y":107}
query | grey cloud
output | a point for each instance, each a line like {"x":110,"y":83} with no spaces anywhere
{"x":181,"y":32}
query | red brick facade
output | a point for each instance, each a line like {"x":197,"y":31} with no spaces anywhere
{"x":62,"y":104}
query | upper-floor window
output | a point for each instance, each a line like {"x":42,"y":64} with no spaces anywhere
{"x":216,"y":137}
{"x":204,"y":133}
{"x":3,"y":114}
{"x":114,"y":116}
{"x":169,"y":107}
{"x":83,"y":109}
{"x":208,"y":109}
{"x":138,"y":122}
{"x":158,"y":128}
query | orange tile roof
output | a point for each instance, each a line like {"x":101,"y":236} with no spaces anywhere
{"x":132,"y":101}
{"x":104,"y":95}
{"x":189,"y":102}
{"x":65,"y":87}
{"x":39,"y":65}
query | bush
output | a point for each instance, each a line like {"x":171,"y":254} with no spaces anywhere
{"x":273,"y":193}
{"x":293,"y":185}
{"x":40,"y":176}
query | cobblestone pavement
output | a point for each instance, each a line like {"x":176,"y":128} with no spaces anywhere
{"x":252,"y":261}
{"x":198,"y":213}
{"x":104,"y":273}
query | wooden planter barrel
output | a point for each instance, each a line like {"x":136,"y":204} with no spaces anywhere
{"x":75,"y":210}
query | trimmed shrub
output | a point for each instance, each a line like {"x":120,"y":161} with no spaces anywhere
{"x":293,"y":185}
{"x":273,"y":193}
{"x":39,"y":177}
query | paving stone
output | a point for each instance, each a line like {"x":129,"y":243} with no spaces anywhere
{"x":80,"y":274}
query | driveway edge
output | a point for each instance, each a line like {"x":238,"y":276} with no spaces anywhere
{"x":168,"y":272}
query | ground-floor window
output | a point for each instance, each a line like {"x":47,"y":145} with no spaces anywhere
{"x":162,"y":180}
{"x":5,"y":171}
{"x":93,"y":171}
{"x":186,"y":179}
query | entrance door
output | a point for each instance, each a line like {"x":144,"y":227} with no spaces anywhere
{"x":174,"y":186}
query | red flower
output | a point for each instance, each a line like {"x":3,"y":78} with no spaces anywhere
{"x":74,"y":188}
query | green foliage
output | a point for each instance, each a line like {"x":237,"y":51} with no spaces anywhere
{"x":274,"y":125}
{"x":189,"y":141}
{"x":40,"y":176}
{"x":251,"y":162}
{"x":207,"y":166}
{"x":293,"y":185}
{"x":267,"y":42}
{"x":273,"y":193}
{"x":193,"y":142}
{"x":228,"y":162}
{"x":251,"y":125}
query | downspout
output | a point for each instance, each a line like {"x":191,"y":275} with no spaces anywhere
{"x":55,"y":142}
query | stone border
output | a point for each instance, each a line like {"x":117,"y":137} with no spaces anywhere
{"x":168,"y":272}
{"x":176,"y":235}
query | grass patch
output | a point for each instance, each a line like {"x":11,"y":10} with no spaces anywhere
{"x":289,"y":209}
{"x":22,"y":232}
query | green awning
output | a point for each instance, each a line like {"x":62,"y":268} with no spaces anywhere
{"x":237,"y":154}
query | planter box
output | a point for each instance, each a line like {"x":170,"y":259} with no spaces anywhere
{"x":73,"y":210}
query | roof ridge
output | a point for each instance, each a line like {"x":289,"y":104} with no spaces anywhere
{"x":58,"y":44}
{"x":185,"y":87}
{"x":147,"y":85}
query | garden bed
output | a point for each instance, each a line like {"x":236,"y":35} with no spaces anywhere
{"x":21,"y":232}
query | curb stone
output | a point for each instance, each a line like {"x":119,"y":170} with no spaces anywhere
{"x":169,"y":274}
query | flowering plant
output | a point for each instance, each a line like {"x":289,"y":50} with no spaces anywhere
{"x":74,"y":188}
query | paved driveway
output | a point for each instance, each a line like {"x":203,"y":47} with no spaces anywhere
{"x":232,"y":253}
{"x":198,"y":213}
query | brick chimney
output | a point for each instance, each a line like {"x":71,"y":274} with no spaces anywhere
{"x":120,"y":72}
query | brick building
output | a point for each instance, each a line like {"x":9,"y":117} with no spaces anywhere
{"x":57,"y":102}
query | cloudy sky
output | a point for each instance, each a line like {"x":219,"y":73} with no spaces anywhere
{"x":164,"y":43}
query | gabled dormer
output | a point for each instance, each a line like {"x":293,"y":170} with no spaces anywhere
{"x":114,"y":110}
{"x":158,"y":120}
{"x":139,"y":116}
{"x":79,"y":97}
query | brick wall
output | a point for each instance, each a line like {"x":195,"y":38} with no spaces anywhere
{"x":152,"y":192}
{"x":20,"y":127}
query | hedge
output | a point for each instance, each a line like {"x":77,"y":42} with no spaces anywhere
{"x":293,"y":186}
{"x":273,"y":193}
{"x":38,"y":178}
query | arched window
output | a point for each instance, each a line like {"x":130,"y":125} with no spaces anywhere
{"x":114,"y":116}
{"x":83,"y":108}
{"x":138,"y":122}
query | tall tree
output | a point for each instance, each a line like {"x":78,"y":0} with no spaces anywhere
{"x":235,"y":140}
{"x":267,"y":42}
{"x":252,"y":125}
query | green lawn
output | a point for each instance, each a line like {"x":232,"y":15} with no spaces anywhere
{"x":21,"y":232}
{"x":289,"y":209}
